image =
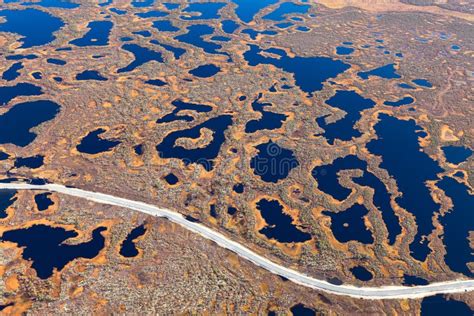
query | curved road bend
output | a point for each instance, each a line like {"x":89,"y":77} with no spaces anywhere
{"x":384,"y":292}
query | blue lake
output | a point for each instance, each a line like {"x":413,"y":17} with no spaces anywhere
{"x":205,"y":71}
{"x":268,"y":120}
{"x":142,"y":55}
{"x":40,"y":241}
{"x":301,"y":310}
{"x":98,"y":34}
{"x":13,"y":72}
{"x":8,"y":93}
{"x":43,"y":201}
{"x":7,"y":198}
{"x":165,"y":26}
{"x":203,"y":155}
{"x":401,"y":154}
{"x":422,"y":83}
{"x":35,"y":26}
{"x":171,"y":179}
{"x":386,"y":72}
{"x":456,"y":154}
{"x":194,"y":37}
{"x":349,"y":225}
{"x":272,"y":162}
{"x":16,"y":123}
{"x":92,"y":143}
{"x":90,"y":75}
{"x":203,"y":11}
{"x":229,"y":26}
{"x":279,"y":224}
{"x":128,"y":248}
{"x":183,"y":106}
{"x":247,"y":9}
{"x":439,"y":305}
{"x":309,"y":72}
{"x":361,"y":273}
{"x":353,"y":104}
{"x":62,"y":4}
{"x":32,"y":162}
{"x":457,"y":224}
{"x":286,"y":8}
{"x":176,"y":51}
{"x":400,"y":102}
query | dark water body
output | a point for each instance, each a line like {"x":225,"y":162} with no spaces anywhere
{"x":286,"y":8}
{"x":205,"y":71}
{"x":4,"y":156}
{"x":156,"y":82}
{"x":344,"y":129}
{"x":309,"y":72}
{"x":386,"y":72}
{"x":13,"y":72}
{"x":457,"y":224}
{"x":152,"y":14}
{"x":165,"y":26}
{"x":142,"y":55}
{"x":128,"y":248}
{"x":238,"y":188}
{"x":194,"y":37}
{"x":171,"y":6}
{"x":253,"y":33}
{"x":176,"y":51}
{"x":138,"y":149}
{"x":221,"y":38}
{"x":184,"y":106}
{"x":90,"y":75}
{"x":361,"y":273}
{"x":98,"y":34}
{"x":118,"y":11}
{"x":401,"y":154}
{"x":40,"y":241}
{"x":284,"y":25}
{"x":8,"y":93}
{"x":35,"y":26}
{"x":204,"y":156}
{"x":32,"y":162}
{"x":400,"y":102}
{"x":55,"y":61}
{"x":144,"y":33}
{"x":268,"y":120}
{"x":349,"y":225}
{"x":229,"y":26}
{"x":58,"y":79}
{"x":247,"y":9}
{"x":412,"y":280}
{"x":203,"y":11}
{"x":422,"y":83}
{"x":126,"y":39}
{"x":439,"y":305}
{"x":301,"y":310}
{"x":171,"y":179}
{"x":93,"y":144}
{"x":279,"y":224}
{"x":303,"y":29}
{"x":272,"y":162}
{"x":142,"y":3}
{"x":7,"y":198}
{"x":43,"y":201}
{"x":456,"y":154}
{"x":212,"y":211}
{"x":328,"y":182}
{"x":63,"y":4}
{"x":231,"y":210}
{"x":342,"y":50}
{"x":63,"y":49}
{"x":406,"y":86}
{"x":15,"y":124}
{"x":21,"y":56}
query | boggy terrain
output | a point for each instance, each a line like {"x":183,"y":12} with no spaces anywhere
{"x":335,"y":140}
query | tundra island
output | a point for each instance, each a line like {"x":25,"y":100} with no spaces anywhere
{"x":269,"y":157}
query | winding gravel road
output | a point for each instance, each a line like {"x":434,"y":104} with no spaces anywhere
{"x":375,"y":293}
